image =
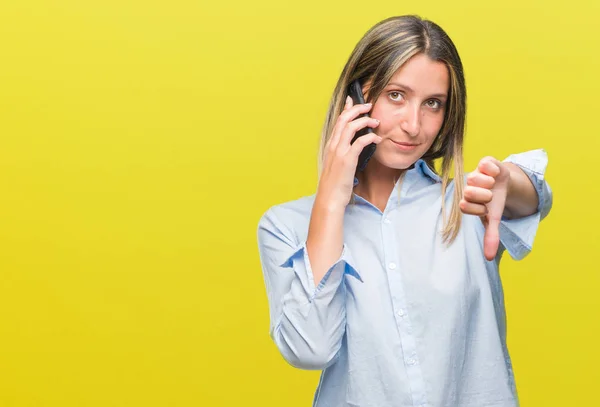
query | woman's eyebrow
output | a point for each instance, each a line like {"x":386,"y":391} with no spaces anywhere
{"x":408,"y":88}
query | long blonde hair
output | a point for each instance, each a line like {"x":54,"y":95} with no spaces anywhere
{"x":377,"y":56}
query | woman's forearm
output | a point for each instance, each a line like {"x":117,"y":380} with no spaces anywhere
{"x":325,"y":238}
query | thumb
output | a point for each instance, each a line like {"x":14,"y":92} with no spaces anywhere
{"x":491,"y":239}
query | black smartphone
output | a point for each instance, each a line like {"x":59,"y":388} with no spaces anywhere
{"x":355,"y":92}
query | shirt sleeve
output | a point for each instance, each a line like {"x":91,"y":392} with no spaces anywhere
{"x":307,"y":322}
{"x":517,"y":235}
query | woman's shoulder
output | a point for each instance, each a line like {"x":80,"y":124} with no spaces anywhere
{"x":296,"y":211}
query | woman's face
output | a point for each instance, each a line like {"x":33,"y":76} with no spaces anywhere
{"x":411,"y":111}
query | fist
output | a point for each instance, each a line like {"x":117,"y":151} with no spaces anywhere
{"x":485,"y":196}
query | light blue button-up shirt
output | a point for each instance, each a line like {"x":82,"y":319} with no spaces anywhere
{"x":401,"y":319}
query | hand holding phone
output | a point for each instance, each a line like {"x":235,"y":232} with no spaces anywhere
{"x":340,"y":161}
{"x":355,"y":92}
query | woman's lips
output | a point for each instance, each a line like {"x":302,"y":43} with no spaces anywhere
{"x":404,"y":146}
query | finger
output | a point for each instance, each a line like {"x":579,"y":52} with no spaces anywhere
{"x":349,"y":102}
{"x":344,"y":118}
{"x":354,"y":126}
{"x":477,"y":195}
{"x":470,"y":208}
{"x":491,"y":239}
{"x":352,"y":113}
{"x":477,"y":179}
{"x":489,"y":166}
{"x":362,"y":142}
{"x":337,"y":129}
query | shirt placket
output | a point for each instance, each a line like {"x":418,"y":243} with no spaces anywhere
{"x":401,"y":312}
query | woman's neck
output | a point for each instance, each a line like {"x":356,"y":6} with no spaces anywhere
{"x":376,"y":183}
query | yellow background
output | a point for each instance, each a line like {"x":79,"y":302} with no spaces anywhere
{"x":142,"y":140}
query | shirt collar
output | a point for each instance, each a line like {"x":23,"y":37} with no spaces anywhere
{"x":423,"y":168}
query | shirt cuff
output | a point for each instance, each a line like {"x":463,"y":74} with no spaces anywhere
{"x":517,"y":235}
{"x":300,"y":263}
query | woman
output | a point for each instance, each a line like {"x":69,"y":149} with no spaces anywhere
{"x":395,"y":295}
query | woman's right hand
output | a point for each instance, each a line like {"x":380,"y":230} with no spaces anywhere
{"x":341,"y":158}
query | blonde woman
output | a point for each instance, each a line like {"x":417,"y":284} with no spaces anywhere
{"x":386,"y":279}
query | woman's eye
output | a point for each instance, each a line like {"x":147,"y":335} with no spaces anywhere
{"x":434,"y":104}
{"x":396,"y":96}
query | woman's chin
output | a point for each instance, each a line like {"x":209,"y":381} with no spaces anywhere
{"x":395,"y":162}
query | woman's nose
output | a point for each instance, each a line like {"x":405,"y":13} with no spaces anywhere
{"x":411,"y":121}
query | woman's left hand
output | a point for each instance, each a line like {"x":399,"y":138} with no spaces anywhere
{"x":485,"y":196}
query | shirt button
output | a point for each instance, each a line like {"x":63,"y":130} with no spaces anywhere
{"x":387,"y":221}
{"x":392,"y":266}
{"x":401,"y":312}
{"x":411,"y":362}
